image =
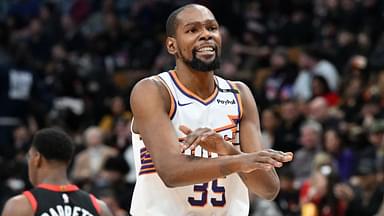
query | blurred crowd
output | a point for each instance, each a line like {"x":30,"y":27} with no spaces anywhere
{"x":316,"y":68}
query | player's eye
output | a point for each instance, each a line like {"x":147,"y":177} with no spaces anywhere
{"x":191,"y":30}
{"x":212,"y":28}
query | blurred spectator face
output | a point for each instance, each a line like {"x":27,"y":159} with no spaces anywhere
{"x":289,"y":112}
{"x":376,"y":138}
{"x":318,"y":109}
{"x":309,"y":137}
{"x":269,"y":120}
{"x":58,"y":52}
{"x":21,"y":134}
{"x":110,"y":21}
{"x":44,"y":13}
{"x":67,"y":23}
{"x":318,"y":87}
{"x":117,"y":105}
{"x":347,"y":5}
{"x":93,"y":137}
{"x":35,"y":27}
{"x":305,"y":61}
{"x":344,"y":38}
{"x":331,"y":4}
{"x":286,"y":183}
{"x":277,"y":60}
{"x":332,"y":141}
{"x":353,"y":88}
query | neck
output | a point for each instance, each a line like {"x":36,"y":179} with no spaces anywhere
{"x":199,"y":82}
{"x":54,"y":175}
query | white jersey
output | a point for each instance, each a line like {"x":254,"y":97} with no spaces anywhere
{"x":223,"y":196}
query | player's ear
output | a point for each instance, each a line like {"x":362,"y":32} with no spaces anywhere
{"x":171,"y":45}
{"x":38,"y":159}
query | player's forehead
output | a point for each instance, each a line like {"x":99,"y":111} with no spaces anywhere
{"x":195,"y":14}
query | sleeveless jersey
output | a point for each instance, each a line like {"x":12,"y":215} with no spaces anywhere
{"x":55,"y":200}
{"x":224,"y":196}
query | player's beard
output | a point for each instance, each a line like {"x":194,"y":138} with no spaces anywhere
{"x":200,"y":65}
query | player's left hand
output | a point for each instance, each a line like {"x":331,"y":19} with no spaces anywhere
{"x":207,"y":139}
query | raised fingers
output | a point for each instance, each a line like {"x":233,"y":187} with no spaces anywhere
{"x":280,"y":156}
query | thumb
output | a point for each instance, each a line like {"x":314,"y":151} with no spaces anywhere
{"x":186,"y":130}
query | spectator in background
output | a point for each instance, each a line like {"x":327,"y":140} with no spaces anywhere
{"x":344,"y":159}
{"x":288,"y":131}
{"x":310,"y":139}
{"x":117,"y":113}
{"x":109,"y":197}
{"x":366,"y":197}
{"x":279,"y":84}
{"x":112,"y":177}
{"x":311,"y":62}
{"x":288,"y":198}
{"x":17,"y":91}
{"x":320,"y":88}
{"x":320,"y":111}
{"x":317,"y":195}
{"x":269,"y":122}
{"x":89,"y":162}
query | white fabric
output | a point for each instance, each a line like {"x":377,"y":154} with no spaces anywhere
{"x":152,"y":197}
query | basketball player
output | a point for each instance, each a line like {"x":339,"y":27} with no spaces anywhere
{"x":214,"y":121}
{"x":53,"y":195}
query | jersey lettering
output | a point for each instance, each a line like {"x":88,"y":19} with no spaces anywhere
{"x":67,"y":210}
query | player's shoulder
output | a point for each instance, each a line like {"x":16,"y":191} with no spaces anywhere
{"x":18,"y":206}
{"x":241,"y":86}
{"x":148,"y":84}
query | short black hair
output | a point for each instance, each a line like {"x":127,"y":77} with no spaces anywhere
{"x":172,"y":20}
{"x":54,"y":144}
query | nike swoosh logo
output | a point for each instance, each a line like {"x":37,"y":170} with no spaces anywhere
{"x":184,"y":104}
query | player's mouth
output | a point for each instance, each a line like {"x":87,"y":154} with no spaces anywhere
{"x":206,"y":51}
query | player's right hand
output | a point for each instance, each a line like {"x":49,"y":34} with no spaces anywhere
{"x":207,"y":139}
{"x":264,"y":160}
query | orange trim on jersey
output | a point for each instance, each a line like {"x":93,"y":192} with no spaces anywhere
{"x":95,"y":203}
{"x":238,"y":96}
{"x":31,"y":199}
{"x":232,"y":125}
{"x":172,"y":110}
{"x":59,"y":188}
{"x":189,"y":92}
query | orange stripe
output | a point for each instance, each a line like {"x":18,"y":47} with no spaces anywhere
{"x":31,"y":200}
{"x":146,"y":169}
{"x":186,"y":90}
{"x":173,"y":107}
{"x":95,"y":203}
{"x":232,"y":118}
{"x":226,"y":127}
{"x":59,"y":188}
{"x":153,"y":171}
{"x":238,"y":96}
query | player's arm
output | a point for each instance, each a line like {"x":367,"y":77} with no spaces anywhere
{"x":104,"y":210}
{"x":17,"y":206}
{"x":264,"y":183}
{"x":150,"y":103}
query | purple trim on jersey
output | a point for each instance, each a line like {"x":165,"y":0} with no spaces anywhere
{"x":237,"y":101}
{"x":174,"y":99}
{"x":147,"y":172}
{"x":191,"y":96}
{"x":147,"y":166}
